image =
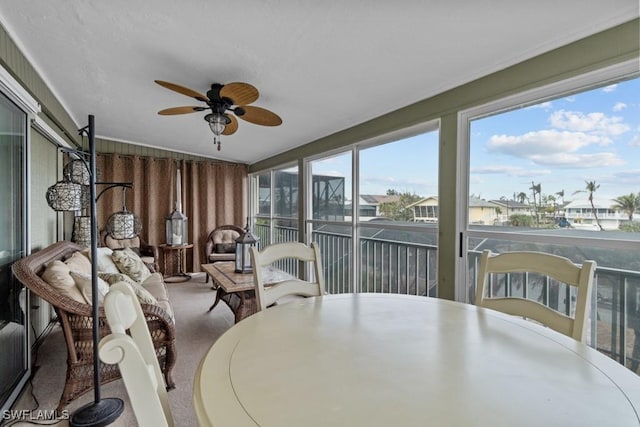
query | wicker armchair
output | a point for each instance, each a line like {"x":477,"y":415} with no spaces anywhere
{"x":223,"y":236}
{"x":76,"y":321}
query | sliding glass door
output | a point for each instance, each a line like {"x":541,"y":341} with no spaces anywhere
{"x":13,"y":317}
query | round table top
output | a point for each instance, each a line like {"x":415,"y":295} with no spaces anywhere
{"x":384,"y":359}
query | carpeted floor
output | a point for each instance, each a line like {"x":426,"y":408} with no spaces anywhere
{"x":196,"y":331}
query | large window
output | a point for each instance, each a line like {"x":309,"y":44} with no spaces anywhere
{"x":276,"y":219}
{"x":556,"y":170}
{"x":371,"y":232}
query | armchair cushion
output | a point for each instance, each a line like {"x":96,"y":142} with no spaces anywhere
{"x":221,"y":243}
{"x":225,"y":248}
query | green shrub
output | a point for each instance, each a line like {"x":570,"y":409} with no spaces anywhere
{"x":520,"y":220}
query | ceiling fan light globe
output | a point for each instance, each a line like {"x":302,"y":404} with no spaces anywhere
{"x":217,"y":123}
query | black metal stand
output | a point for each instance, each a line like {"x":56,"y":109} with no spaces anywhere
{"x":101,"y":412}
{"x":98,"y":414}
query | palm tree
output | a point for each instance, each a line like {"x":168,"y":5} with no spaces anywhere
{"x":521,"y":197}
{"x":536,"y":189}
{"x":628,"y":204}
{"x":591,"y":188}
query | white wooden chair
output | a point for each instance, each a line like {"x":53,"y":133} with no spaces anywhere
{"x":558,"y":268}
{"x":267,"y":295}
{"x":135,"y":357}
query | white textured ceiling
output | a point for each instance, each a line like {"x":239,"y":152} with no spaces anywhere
{"x":323,"y":66}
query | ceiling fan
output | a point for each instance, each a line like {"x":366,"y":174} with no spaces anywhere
{"x":223,"y":100}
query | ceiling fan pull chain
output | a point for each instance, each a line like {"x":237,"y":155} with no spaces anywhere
{"x":216,"y":141}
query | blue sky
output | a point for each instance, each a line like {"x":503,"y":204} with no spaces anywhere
{"x":559,"y":144}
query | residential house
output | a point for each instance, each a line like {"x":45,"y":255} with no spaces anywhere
{"x":581,"y":214}
{"x":506,"y":208}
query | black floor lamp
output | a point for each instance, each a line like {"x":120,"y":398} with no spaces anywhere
{"x":67,"y":195}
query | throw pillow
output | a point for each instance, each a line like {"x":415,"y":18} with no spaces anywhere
{"x":144,"y":296}
{"x":83,"y":282}
{"x":105,"y":263}
{"x":78,"y":262}
{"x":130,"y":264}
{"x":225,"y":248}
{"x":57,"y":274}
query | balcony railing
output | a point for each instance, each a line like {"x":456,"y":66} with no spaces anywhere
{"x":389,"y":266}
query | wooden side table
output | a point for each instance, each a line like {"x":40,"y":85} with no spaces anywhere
{"x":181,"y":275}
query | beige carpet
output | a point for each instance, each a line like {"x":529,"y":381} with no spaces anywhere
{"x":196,"y":331}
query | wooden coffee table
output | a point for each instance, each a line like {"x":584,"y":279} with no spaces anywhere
{"x":237,"y":289}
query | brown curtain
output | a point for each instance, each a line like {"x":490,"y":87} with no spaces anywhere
{"x":213,"y":194}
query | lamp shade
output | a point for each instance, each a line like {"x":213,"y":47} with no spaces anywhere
{"x":243,"y":243}
{"x":123,"y":225}
{"x":78,"y":172}
{"x":176,"y":228}
{"x":82,"y":230}
{"x":66,"y":196}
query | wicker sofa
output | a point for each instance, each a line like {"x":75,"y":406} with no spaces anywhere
{"x":76,"y":321}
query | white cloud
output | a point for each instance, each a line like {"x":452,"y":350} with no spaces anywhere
{"x":555,"y":148}
{"x":576,"y":160}
{"x":543,"y":142}
{"x":610,"y":88}
{"x":635,"y":141}
{"x":330,"y":173}
{"x":544,"y":105}
{"x":513,"y":171}
{"x":619,"y":106}
{"x":598,"y":123}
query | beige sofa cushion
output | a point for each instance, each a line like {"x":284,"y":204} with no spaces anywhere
{"x":83,"y":282}
{"x":105,"y":263}
{"x":143,"y":295}
{"x":79,"y":263}
{"x":57,"y":274}
{"x":156,"y":287}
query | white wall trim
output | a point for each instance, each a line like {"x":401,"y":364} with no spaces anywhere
{"x":47,"y":131}
{"x":17,"y":94}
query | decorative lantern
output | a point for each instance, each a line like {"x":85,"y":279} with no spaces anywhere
{"x":177,"y":221}
{"x":243,"y":243}
{"x":176,"y":227}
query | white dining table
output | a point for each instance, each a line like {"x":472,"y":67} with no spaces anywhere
{"x":396,"y":360}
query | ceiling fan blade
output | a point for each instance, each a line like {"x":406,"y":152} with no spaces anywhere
{"x":183,"y":90}
{"x":232,"y":127}
{"x":180,"y":110}
{"x":240,"y":93}
{"x":260,"y":116}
